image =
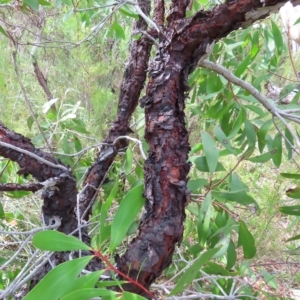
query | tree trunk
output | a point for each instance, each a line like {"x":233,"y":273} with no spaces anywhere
{"x":182,"y":42}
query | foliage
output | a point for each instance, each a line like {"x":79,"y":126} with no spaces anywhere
{"x":229,"y":128}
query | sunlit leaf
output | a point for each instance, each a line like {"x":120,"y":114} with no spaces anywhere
{"x":125,"y":215}
{"x":293,"y":210}
{"x":52,"y":240}
{"x":57,"y":281}
{"x":88,"y":293}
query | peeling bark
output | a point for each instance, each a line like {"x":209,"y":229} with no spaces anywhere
{"x":166,"y":168}
{"x":59,"y":200}
{"x":132,"y":85}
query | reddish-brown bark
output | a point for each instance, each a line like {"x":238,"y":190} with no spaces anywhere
{"x":166,"y":168}
{"x":59,"y":200}
{"x":132,"y":85}
{"x":182,"y":43}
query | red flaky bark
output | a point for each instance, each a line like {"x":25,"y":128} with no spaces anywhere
{"x":132,"y":85}
{"x":166,"y":168}
{"x":59,"y":199}
{"x":183,"y":41}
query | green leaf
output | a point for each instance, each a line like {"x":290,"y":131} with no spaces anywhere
{"x":290,"y":210}
{"x":128,"y":161}
{"x":104,"y":209}
{"x":56,"y":241}
{"x":88,"y":293}
{"x":86,"y":281}
{"x":239,"y":197}
{"x":57,"y":281}
{"x":201,"y":164}
{"x":277,"y":144}
{"x":277,"y":38}
{"x":192,"y":272}
{"x":2,"y":214}
{"x":195,"y":185}
{"x":289,"y":175}
{"x":269,"y":278}
{"x":32,"y":3}
{"x":3,"y":31}
{"x":131,"y":296}
{"x":297,"y":22}
{"x":211,"y":151}
{"x":127,"y":11}
{"x":119,"y":31}
{"x":238,"y":123}
{"x":294,"y":238}
{"x":293,"y":192}
{"x":126,"y":213}
{"x":223,"y":139}
{"x":250,"y":133}
{"x":44,"y":3}
{"x":203,"y":222}
{"x":241,"y":68}
{"x":264,"y":157}
{"x":246,"y":240}
{"x":261,"y":134}
{"x":231,"y":255}
{"x":289,"y":143}
{"x":77,"y":143}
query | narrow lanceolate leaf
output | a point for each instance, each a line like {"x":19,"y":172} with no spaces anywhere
{"x":246,"y":240}
{"x":56,"y":241}
{"x":294,"y":238}
{"x":191,"y":273}
{"x":131,"y":296}
{"x":3,"y":31}
{"x":290,"y":210}
{"x":293,"y":193}
{"x":202,"y":165}
{"x":84,"y":282}
{"x":104,"y":209}
{"x":289,"y":175}
{"x":277,"y":144}
{"x":277,"y":38}
{"x":126,"y":213}
{"x":88,"y":293}
{"x":211,"y":151}
{"x":57,"y":281}
{"x":203,"y":222}
{"x":223,"y":139}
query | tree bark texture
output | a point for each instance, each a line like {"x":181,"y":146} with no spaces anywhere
{"x":132,"y":85}
{"x":166,"y":168}
{"x":59,"y":200}
{"x":182,"y":42}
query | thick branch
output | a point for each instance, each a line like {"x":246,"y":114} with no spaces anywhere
{"x":132,"y":85}
{"x":9,"y":187}
{"x":59,"y":200}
